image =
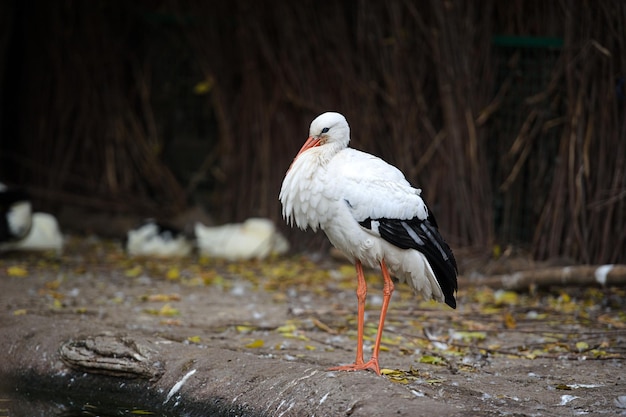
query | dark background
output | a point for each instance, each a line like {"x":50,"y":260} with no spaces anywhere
{"x":510,"y":115}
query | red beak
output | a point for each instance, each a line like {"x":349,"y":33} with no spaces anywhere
{"x":311,"y":142}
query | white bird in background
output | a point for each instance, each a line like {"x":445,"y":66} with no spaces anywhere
{"x":156,"y":239}
{"x":371,"y":213}
{"x":15,"y":213}
{"x":44,"y":235}
{"x":21,"y":229}
{"x":256,"y":238}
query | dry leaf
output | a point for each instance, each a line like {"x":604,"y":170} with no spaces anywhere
{"x":173,"y":274}
{"x":432,"y":360}
{"x":509,"y":320}
{"x":169,"y":311}
{"x":134,"y":271}
{"x":17,"y":271}
{"x":582,"y":346}
{"x":258,"y":343}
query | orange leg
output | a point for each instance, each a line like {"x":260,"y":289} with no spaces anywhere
{"x":388,"y":288}
{"x":361,"y":293}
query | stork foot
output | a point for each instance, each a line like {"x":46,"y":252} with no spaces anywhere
{"x":372,"y":365}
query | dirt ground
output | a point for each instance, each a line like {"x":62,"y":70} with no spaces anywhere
{"x":205,"y":337}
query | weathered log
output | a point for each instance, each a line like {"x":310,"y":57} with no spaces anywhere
{"x":581,"y":275}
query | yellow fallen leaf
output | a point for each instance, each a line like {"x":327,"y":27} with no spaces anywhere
{"x":287,"y":328}
{"x":582,"y":346}
{"x":435,"y":381}
{"x":142,"y":412}
{"x":397,"y":376}
{"x":241,"y":328}
{"x":391,"y":341}
{"x":402,"y":377}
{"x":17,"y":271}
{"x":173,"y":274}
{"x":20,"y":312}
{"x":505,"y":297}
{"x":134,"y":271}
{"x":194,"y":339}
{"x":347,"y":270}
{"x":255,"y":344}
{"x":509,"y":321}
{"x":534,"y":354}
{"x":309,"y":347}
{"x":433,"y":360}
{"x":598,"y":353}
{"x":219,"y":281}
{"x":399,"y":380}
{"x":169,"y":311}
{"x":370,"y":331}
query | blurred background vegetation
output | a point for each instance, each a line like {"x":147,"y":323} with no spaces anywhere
{"x":510,"y":115}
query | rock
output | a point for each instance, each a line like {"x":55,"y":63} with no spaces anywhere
{"x":120,"y":356}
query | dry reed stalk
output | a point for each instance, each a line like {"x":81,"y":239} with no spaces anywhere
{"x":591,"y":152}
{"x":417,"y":82}
{"x":95,"y":133}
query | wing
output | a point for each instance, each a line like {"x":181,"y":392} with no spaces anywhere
{"x":424,"y":236}
{"x":382,"y":201}
{"x":372,"y":188}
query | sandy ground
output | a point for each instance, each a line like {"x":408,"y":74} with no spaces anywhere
{"x":206,"y":337}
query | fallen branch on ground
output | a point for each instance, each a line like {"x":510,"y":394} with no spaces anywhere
{"x":582,"y":275}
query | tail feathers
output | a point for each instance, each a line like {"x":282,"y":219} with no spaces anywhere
{"x":424,"y":236}
{"x":442,"y":261}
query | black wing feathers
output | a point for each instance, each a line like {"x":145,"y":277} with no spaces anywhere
{"x":423,"y":236}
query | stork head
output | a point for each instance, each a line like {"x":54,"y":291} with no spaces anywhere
{"x":329,"y":129}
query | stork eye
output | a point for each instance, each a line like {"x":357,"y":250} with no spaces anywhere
{"x":325,"y":130}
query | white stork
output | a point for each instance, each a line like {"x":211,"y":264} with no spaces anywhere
{"x":370,"y":212}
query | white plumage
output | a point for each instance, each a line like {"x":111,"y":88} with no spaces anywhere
{"x":43,"y":234}
{"x":370,"y":212}
{"x":256,"y":238}
{"x":155,"y":239}
{"x":23,"y":230}
{"x":15,"y":213}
